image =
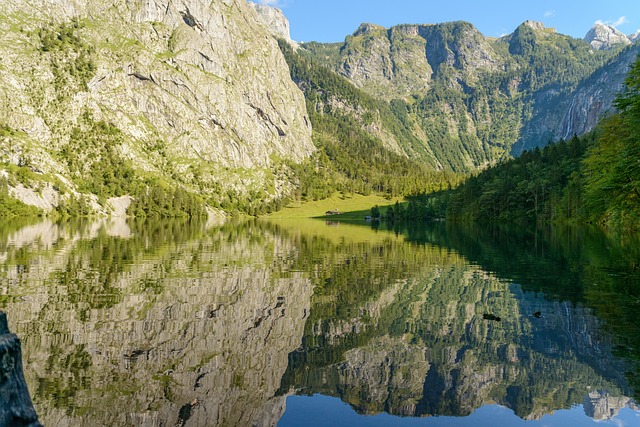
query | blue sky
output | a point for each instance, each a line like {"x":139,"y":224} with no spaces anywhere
{"x":332,"y":20}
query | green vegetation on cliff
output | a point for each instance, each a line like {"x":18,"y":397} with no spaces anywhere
{"x":440,"y":101}
{"x":469,"y":100}
{"x":351,"y":158}
{"x":612,"y":167}
{"x":146,"y":110}
{"x":11,"y":207}
{"x":540,"y":55}
{"x":595,"y":178}
{"x":74,"y":64}
{"x":92,"y":155}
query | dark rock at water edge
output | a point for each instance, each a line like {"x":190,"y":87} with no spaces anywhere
{"x":16,"y":408}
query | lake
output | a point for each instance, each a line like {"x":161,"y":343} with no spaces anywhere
{"x":314,"y":323}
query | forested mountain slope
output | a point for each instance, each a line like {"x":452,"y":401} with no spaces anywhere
{"x":472,"y":100}
{"x":594,"y":178}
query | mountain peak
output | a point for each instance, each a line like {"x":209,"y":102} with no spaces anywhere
{"x":535,"y":25}
{"x":603,"y":36}
{"x":273,"y":19}
{"x":367,"y":27}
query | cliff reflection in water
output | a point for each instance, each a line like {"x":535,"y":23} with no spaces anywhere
{"x":448,"y":337}
{"x":161,"y":324}
{"x":170,"y":323}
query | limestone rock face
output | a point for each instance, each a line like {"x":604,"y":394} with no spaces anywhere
{"x":535,"y":25}
{"x":593,"y":99}
{"x":583,"y":109}
{"x":188,"y":82}
{"x":273,"y":19}
{"x":403,"y":60}
{"x":602,"y":36}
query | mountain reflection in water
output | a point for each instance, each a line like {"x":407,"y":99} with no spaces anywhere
{"x":177,"y":323}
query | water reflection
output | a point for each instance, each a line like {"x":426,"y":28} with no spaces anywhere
{"x":176,"y":323}
{"x":173,"y":326}
{"x":424,"y":345}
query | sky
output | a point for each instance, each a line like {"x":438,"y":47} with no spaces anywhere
{"x":333,"y":20}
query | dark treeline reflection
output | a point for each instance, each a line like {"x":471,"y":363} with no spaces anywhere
{"x":583,"y":265}
{"x":188,"y":323}
{"x":535,"y":320}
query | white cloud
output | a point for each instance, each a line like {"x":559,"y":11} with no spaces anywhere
{"x":550,"y":14}
{"x":620,"y":21}
{"x":274,"y":3}
{"x":618,"y":423}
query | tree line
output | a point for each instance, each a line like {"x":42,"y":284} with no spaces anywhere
{"x":594,"y":178}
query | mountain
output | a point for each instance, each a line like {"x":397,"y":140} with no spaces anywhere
{"x":183,"y":108}
{"x":602,"y":36}
{"x":472,"y":100}
{"x":177,"y":96}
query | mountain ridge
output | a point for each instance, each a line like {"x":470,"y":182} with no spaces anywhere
{"x":479,"y":81}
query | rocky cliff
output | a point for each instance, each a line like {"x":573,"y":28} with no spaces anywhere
{"x":562,"y":115}
{"x":602,"y":36}
{"x":471,"y":100}
{"x":593,"y":98}
{"x":405,"y":59}
{"x":198,"y":92}
{"x":274,"y":20}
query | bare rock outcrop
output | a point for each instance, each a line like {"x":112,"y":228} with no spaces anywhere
{"x":602,"y":36}
{"x":16,"y":408}
{"x":273,"y":19}
{"x":404,"y":59}
{"x":192,"y":85}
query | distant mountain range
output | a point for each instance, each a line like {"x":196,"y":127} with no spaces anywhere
{"x":472,"y":100}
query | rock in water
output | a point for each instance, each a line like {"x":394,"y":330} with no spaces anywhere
{"x":489,"y":316}
{"x":16,"y":408}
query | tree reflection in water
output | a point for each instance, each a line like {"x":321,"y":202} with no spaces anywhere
{"x":181,"y":323}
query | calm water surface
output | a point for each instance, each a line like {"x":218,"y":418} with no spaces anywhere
{"x":296,"y":323}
